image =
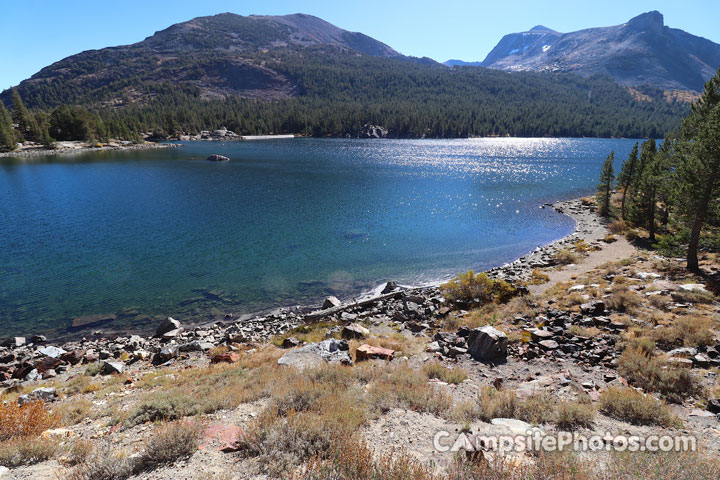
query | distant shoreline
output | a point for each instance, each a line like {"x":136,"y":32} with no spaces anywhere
{"x":65,"y":148}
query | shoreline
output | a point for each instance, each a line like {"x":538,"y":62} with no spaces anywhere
{"x":31,"y":355}
{"x":588,"y":226}
{"x":77,"y":148}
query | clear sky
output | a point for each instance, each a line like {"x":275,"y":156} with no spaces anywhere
{"x":36,"y":33}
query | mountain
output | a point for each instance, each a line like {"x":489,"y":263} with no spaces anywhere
{"x":300,"y":74}
{"x":641,"y":51}
{"x":218,"y":54}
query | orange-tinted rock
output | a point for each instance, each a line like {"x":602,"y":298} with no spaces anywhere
{"x":367,"y":352}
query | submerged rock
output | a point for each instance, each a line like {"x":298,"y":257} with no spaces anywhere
{"x":218,"y":158}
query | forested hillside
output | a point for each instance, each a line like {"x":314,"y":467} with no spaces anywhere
{"x":175,"y":82}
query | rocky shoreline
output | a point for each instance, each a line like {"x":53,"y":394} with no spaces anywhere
{"x":65,"y":148}
{"x":26,"y":359}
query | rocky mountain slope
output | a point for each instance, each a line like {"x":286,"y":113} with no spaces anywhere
{"x":641,"y":51}
{"x":220,"y":54}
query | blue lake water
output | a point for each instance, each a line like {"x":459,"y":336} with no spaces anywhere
{"x":146,"y":234}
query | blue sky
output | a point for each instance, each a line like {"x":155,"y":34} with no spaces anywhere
{"x":36,"y":33}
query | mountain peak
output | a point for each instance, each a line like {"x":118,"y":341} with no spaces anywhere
{"x":540,"y":28}
{"x":641,"y":51}
{"x":650,"y":21}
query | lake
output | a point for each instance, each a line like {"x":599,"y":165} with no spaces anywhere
{"x":140,"y":235}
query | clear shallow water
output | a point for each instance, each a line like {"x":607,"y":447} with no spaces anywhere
{"x":146,"y":234}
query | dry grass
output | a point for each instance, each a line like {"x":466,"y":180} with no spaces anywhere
{"x":694,"y":297}
{"x":631,"y":406}
{"x":622,"y":299}
{"x":654,"y":374}
{"x":167,"y":444}
{"x":538,"y":278}
{"x":444,"y":374}
{"x":492,"y":403}
{"x":579,"y":331}
{"x":688,"y":330}
{"x":407,"y":388}
{"x":565,"y":257}
{"x":618,"y":226}
{"x":573,"y":415}
{"x":27,"y":450}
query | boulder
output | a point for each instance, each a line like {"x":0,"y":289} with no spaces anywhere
{"x":692,"y":287}
{"x":595,"y":307}
{"x":389,"y":287}
{"x":487,"y":343}
{"x":354,"y":331}
{"x":313,"y":354}
{"x":53,"y":352}
{"x":14,"y":342}
{"x":165,"y":354}
{"x":367,"y":352}
{"x":548,"y":344}
{"x":290,"y":342}
{"x":372,"y":131}
{"x":227,"y":357}
{"x":539,"y":334}
{"x":166,"y":326}
{"x":46,"y":394}
{"x":109,"y":368}
{"x":218,"y":158}
{"x":331,"y":302}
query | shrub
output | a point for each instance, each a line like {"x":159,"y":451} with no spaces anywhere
{"x":168,"y":444}
{"x":618,"y":226}
{"x":579,"y":331}
{"x":565,"y":257}
{"x":27,"y":450}
{"x":663,"y":466}
{"x":492,"y":403}
{"x":573,"y":415}
{"x":634,"y":407}
{"x":695,"y":330}
{"x":29,"y":420}
{"x":442,"y":373}
{"x":407,"y":388}
{"x":162,"y":408}
{"x":654,"y":374}
{"x":693,"y":297}
{"x":623,"y":300}
{"x":352,"y":459}
{"x":479,"y":289}
{"x":609,"y":239}
{"x":538,"y":278}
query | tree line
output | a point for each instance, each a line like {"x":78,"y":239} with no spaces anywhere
{"x":673,"y":191}
{"x":334,"y":94}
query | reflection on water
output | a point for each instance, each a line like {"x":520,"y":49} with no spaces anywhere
{"x":145,"y":234}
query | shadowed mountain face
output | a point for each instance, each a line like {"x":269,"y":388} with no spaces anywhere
{"x":641,"y":51}
{"x":221,"y":55}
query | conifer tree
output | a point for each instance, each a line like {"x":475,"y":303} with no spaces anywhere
{"x":698,"y":169}
{"x":607,"y":176}
{"x":626,"y":177}
{"x":27,"y":125}
{"x":7,"y":136}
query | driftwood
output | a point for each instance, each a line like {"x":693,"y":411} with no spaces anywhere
{"x":361,"y":303}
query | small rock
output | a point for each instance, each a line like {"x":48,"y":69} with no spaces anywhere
{"x":367,"y":352}
{"x":53,"y":352}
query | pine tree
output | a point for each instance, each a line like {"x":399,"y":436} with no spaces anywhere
{"x":27,"y":125}
{"x":626,"y":177}
{"x":655,"y":180}
{"x":7,"y":136}
{"x":698,"y":167}
{"x":607,"y":176}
